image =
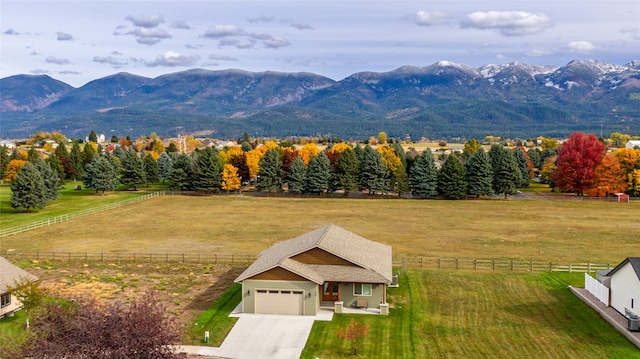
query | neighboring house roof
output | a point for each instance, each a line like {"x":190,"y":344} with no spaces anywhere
{"x":9,"y":274}
{"x":635,"y":264}
{"x":372,"y":259}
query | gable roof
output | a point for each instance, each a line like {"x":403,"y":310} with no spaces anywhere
{"x":9,"y":274}
{"x":373,"y":260}
{"x":635,"y":264}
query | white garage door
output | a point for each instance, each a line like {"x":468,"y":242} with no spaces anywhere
{"x":279,"y":301}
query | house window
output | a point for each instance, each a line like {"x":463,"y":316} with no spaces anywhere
{"x":362,"y":289}
{"x":5,"y":300}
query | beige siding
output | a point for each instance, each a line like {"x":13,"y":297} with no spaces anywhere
{"x":278,"y":274}
{"x":311,"y":303}
{"x":15,"y":305}
{"x":349,"y":299}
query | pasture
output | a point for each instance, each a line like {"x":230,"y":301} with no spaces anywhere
{"x":544,"y":230}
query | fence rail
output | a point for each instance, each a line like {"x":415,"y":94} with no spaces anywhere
{"x":65,"y":217}
{"x":246,"y":259}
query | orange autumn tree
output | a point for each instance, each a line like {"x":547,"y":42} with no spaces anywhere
{"x":609,"y":177}
{"x":230,"y":178}
{"x":13,"y":169}
{"x":308,"y":150}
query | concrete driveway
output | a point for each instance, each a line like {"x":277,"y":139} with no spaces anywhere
{"x":264,"y":336}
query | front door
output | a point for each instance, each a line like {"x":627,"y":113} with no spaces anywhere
{"x":331,"y":292}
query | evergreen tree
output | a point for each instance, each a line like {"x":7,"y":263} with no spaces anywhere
{"x":50,"y":178}
{"x":523,"y":166}
{"x":15,"y":155}
{"x":93,"y":137}
{"x":151,"y":169}
{"x":133,"y":172}
{"x":33,"y":155}
{"x":373,"y":172}
{"x":172,"y":148}
{"x":297,"y":176}
{"x":56,"y":165}
{"x":506,"y":174}
{"x":208,"y":171}
{"x":318,"y":173}
{"x":181,"y":175}
{"x":535,"y":156}
{"x":246,"y":146}
{"x":479,"y":174}
{"x":28,"y":190}
{"x":400,"y":180}
{"x":4,"y":160}
{"x":424,"y":175}
{"x":346,"y":171}
{"x":75,"y":161}
{"x":100,"y":175}
{"x":87,"y":153}
{"x":452,"y":182}
{"x":63,"y":155}
{"x":165,"y":163}
{"x":270,"y":174}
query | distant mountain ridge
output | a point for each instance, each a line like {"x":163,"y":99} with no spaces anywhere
{"x":442,"y":100}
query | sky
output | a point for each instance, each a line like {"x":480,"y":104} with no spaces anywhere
{"x":80,"y":41}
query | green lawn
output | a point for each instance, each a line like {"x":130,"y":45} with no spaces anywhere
{"x":216,"y":319}
{"x":69,"y":201}
{"x":445,"y":314}
{"x":12,"y":331}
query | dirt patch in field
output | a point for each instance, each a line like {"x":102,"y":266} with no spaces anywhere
{"x":186,"y":289}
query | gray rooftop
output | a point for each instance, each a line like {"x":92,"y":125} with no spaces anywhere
{"x":373,"y":260}
{"x":9,"y":274}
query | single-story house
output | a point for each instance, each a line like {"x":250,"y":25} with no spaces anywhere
{"x":624,"y":286}
{"x":326,"y":266}
{"x":632,"y":144}
{"x":9,"y":275}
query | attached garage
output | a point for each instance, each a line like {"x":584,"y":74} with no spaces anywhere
{"x":279,"y":301}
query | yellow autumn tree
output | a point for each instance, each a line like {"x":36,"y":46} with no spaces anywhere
{"x":547,"y":169}
{"x":628,"y":158}
{"x":228,"y":153}
{"x":633,"y":182}
{"x":230,"y":178}
{"x":340,"y":147}
{"x":269,"y":145}
{"x":609,"y":178}
{"x":308,"y":150}
{"x":390,"y":158}
{"x":13,"y":168}
{"x":253,"y":160}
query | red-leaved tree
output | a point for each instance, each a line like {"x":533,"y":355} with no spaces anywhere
{"x":577,"y":159}
{"x":354,"y":332}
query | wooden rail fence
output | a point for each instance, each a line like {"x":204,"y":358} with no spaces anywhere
{"x":246,"y":259}
{"x":65,"y":217}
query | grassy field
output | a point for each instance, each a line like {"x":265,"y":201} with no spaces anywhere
{"x":518,"y":229}
{"x":69,"y":201}
{"x":444,"y":314}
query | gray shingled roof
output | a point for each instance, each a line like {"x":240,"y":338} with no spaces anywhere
{"x":9,"y":274}
{"x":635,"y":264}
{"x":372,"y":258}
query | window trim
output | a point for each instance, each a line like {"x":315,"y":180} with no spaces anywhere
{"x":362,"y":289}
{"x":5,"y":300}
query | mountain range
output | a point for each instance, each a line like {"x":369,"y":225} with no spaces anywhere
{"x":442,"y":100}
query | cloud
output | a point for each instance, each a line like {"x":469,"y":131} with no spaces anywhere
{"x":109,"y":61}
{"x":145,"y":22}
{"x":173,"y":59}
{"x":262,"y":19}
{"x":222,"y":58}
{"x":149,"y":36}
{"x":537,"y":53}
{"x":220,"y":31}
{"x":429,"y":18}
{"x":63,"y":36}
{"x":181,"y":25}
{"x":39,"y":72}
{"x":11,"y":32}
{"x":57,"y":61}
{"x":634,"y":31}
{"x":297,"y":25}
{"x":581,"y":47}
{"x":508,"y":23}
{"x":238,"y":43}
{"x":69,"y":72}
{"x":275,"y":42}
